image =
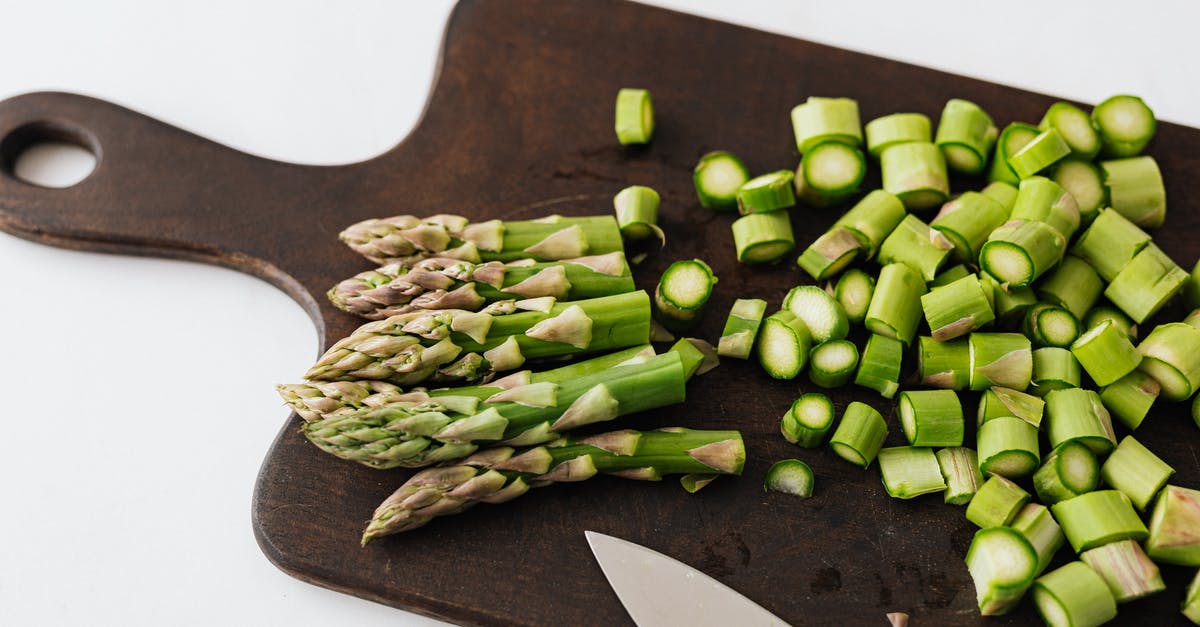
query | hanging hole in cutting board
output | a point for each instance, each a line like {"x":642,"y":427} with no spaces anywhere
{"x":49,"y":155}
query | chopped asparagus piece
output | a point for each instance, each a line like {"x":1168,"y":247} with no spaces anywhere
{"x":635,"y":116}
{"x":960,"y":469}
{"x":1136,"y":472}
{"x":741,"y":328}
{"x":808,"y":420}
{"x":1097,"y":518}
{"x":790,"y":476}
{"x":1125,"y":124}
{"x":1074,"y":596}
{"x":859,"y":435}
{"x":910,"y":471}
{"x":717,"y":178}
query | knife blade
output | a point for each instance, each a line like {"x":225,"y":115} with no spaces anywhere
{"x":659,"y":591}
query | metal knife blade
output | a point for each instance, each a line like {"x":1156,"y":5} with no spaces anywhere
{"x":659,"y":591}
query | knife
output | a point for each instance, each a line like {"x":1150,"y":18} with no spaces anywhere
{"x":659,"y":591}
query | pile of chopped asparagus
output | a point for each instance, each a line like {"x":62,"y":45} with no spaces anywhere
{"x":1028,"y":292}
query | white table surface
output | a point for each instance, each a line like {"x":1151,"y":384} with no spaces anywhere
{"x":129,"y":459}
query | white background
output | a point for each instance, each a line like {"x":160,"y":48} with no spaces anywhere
{"x":137,"y":393}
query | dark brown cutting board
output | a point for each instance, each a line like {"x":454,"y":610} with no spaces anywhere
{"x":519,"y":125}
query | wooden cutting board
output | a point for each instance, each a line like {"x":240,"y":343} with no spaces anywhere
{"x":519,"y":125}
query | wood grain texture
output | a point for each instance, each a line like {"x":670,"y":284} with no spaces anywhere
{"x":519,"y":125}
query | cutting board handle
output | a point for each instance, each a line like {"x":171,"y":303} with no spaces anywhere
{"x":155,"y":190}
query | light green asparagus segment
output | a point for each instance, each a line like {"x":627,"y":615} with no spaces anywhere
{"x":500,"y":474}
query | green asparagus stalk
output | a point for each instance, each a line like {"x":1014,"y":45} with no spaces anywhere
{"x":960,"y":469}
{"x":1097,"y":518}
{"x":1106,"y":353}
{"x":1008,"y":301}
{"x":1000,"y":401}
{"x":965,"y":135}
{"x":1012,"y":139}
{"x":1125,"y":125}
{"x":1002,"y":564}
{"x":1041,"y":199}
{"x":422,"y":434}
{"x":913,"y":243}
{"x":1054,"y":369}
{"x":1076,"y":129}
{"x":1070,"y":470}
{"x":717,"y":177}
{"x":821,"y":313}
{"x":636,"y":209}
{"x":1040,"y":153}
{"x":820,"y":120}
{"x":439,"y":283}
{"x":859,"y":435}
{"x":872,"y":219}
{"x":1050,"y":325}
{"x":808,"y":420}
{"x":1110,"y":243}
{"x":1009,"y":447}
{"x":916,"y":173}
{"x":967,"y":221}
{"x":931,"y":417}
{"x":896,"y":128}
{"x":1125,"y":568}
{"x":1146,"y":283}
{"x":996,"y":503}
{"x":408,"y":239}
{"x":895,"y":309}
{"x":790,"y":476}
{"x":910,"y":471}
{"x":854,"y":291}
{"x":950,"y":275}
{"x":1074,"y":595}
{"x":1000,"y":359}
{"x":1100,"y":313}
{"x":763,"y":237}
{"x":1073,"y":285}
{"x":1173,"y":523}
{"x":957,"y":308}
{"x":832,"y":364}
{"x":1035,"y":522}
{"x":1135,"y":471}
{"x":741,"y":327}
{"x":683,"y":290}
{"x":830,"y":253}
{"x":1078,"y":414}
{"x":1020,"y":251}
{"x":767,"y":192}
{"x":945,"y":365}
{"x":879,"y":367}
{"x":1131,"y":397}
{"x":500,"y":474}
{"x":410,"y":348}
{"x":1171,"y":354}
{"x":783,"y":345}
{"x":1002,"y":192}
{"x":829,"y":173}
{"x":634,"y":119}
{"x":1135,"y":190}
{"x":1085,"y":182}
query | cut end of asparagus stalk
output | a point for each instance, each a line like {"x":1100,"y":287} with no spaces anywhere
{"x":790,"y":476}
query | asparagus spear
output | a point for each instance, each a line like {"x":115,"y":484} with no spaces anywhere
{"x":327,"y":399}
{"x":456,"y":345}
{"x":408,"y":239}
{"x":499,"y":474}
{"x":423,"y":433}
{"x":442,"y":283}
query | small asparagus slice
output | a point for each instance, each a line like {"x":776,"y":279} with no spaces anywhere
{"x":1136,"y":472}
{"x":854,"y":291}
{"x":957,"y":308}
{"x":1078,"y":414}
{"x":1110,"y":243}
{"x":1074,"y":596}
{"x":910,"y":471}
{"x":717,"y":177}
{"x":1096,"y":518}
{"x":1020,"y":251}
{"x":1035,"y":522}
{"x":500,"y":474}
{"x":407,"y":239}
{"x":945,"y":365}
{"x":1135,"y":190}
{"x":1012,"y":139}
{"x":859,"y":435}
{"x":1054,"y":369}
{"x":1085,"y":182}
{"x":1100,"y":313}
{"x":832,"y":364}
{"x":879,"y":367}
{"x":697,"y":355}
{"x":1000,"y":401}
{"x":763,"y":237}
{"x":821,"y":313}
{"x":1125,"y":568}
{"x":1073,"y":284}
{"x":830,"y":253}
{"x":767,"y":192}
{"x":1070,"y":470}
{"x":915,"y":244}
{"x":872,"y":219}
{"x":1076,"y":128}
{"x":820,"y":120}
{"x":1002,"y":192}
{"x":1171,"y":354}
{"x":1002,"y":564}
{"x":808,"y":420}
{"x":916,"y":173}
{"x":965,"y":135}
{"x":996,"y":503}
{"x":895,"y":309}
{"x":1050,"y":325}
{"x":967,"y":221}
{"x":1146,"y":283}
{"x":897,"y":128}
{"x":1040,"y":153}
{"x":637,"y":213}
{"x":1125,"y":124}
{"x":1131,"y":397}
{"x":1106,"y":353}
{"x":634,"y":116}
{"x":741,"y":327}
{"x":683,"y":289}
{"x":790,"y":476}
{"x":1041,"y":199}
{"x":1173,"y":538}
{"x":829,"y":173}
{"x":783,"y":345}
{"x":1009,"y":447}
{"x":1191,"y":601}
{"x":1000,"y":359}
{"x":960,"y":468}
{"x":931,"y":417}
{"x":950,"y":275}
